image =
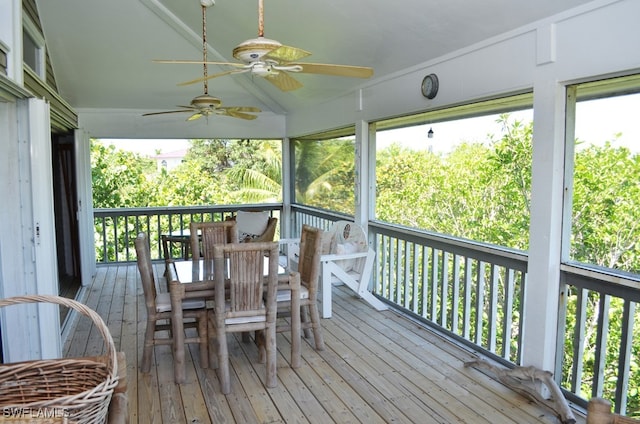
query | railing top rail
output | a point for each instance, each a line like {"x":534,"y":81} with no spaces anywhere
{"x":511,"y":258}
{"x":321,"y":213}
{"x":603,"y":280}
{"x":164,"y":210}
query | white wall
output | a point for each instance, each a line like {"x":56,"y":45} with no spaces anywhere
{"x":11,"y":36}
{"x":27,"y":233}
{"x":592,"y":41}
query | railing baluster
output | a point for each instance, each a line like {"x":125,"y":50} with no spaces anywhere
{"x":455,"y":295}
{"x":444,"y":289}
{"x":468,"y":282}
{"x":425,"y":282}
{"x":479,"y":302}
{"x":624,"y":364}
{"x":433,"y":285}
{"x":407,"y":261}
{"x":492,"y":307}
{"x":521,"y":306}
{"x":579,"y":339}
{"x":601,"y":343}
{"x":507,"y":318}
{"x":396,"y":275}
{"x":415,"y":289}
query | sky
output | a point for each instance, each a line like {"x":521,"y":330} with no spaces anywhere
{"x":148,"y":147}
{"x":597,"y":121}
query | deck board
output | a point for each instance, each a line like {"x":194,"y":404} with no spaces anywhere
{"x":377,"y":367}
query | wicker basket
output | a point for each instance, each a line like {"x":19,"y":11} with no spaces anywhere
{"x":76,"y":390}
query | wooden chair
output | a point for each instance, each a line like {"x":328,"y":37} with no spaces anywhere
{"x":171,"y":245}
{"x":205,"y":235}
{"x":159,"y":309}
{"x":249,"y":303}
{"x":305,"y":315}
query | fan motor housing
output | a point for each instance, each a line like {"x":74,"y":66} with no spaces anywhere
{"x":252,"y":50}
{"x":206,"y":101}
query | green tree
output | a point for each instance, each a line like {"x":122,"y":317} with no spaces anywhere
{"x":119,"y":178}
{"x":325,"y":173}
{"x":258,"y":176}
{"x":479,"y":191}
{"x":605,"y":207}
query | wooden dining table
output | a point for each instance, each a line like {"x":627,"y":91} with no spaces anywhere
{"x":194,"y":279}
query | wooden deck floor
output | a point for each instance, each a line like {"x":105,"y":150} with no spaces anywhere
{"x":377,"y":367}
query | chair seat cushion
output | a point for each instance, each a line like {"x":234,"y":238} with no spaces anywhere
{"x":163,"y":303}
{"x":245,"y":320}
{"x":251,"y":224}
{"x":285,"y":295}
{"x":346,"y":249}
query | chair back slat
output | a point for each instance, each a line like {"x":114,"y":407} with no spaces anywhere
{"x":246,"y":277}
{"x":205,"y":235}
{"x":310,"y":251}
{"x":242,"y":267}
{"x":143,"y":258}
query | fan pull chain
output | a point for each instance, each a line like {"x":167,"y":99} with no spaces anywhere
{"x":260,"y":18}
{"x":204,"y":47}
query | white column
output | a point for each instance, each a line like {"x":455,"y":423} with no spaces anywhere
{"x":82,"y":147}
{"x":288,"y":170}
{"x":363,"y":197}
{"x":43,"y":227}
{"x":542,"y":291}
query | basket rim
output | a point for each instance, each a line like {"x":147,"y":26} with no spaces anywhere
{"x":89,"y":405}
{"x":111,"y":355}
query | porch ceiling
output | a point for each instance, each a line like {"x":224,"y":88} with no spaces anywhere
{"x":102,"y":51}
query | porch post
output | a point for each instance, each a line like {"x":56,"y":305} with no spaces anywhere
{"x":288,"y":168}
{"x":82,"y":147}
{"x":539,"y":334}
{"x":364,"y":174}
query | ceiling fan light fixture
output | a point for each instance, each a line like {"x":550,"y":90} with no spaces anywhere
{"x":263,"y":69}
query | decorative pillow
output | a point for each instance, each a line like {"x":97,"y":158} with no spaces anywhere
{"x":251,"y":224}
{"x":345,"y":249}
{"x":327,"y":242}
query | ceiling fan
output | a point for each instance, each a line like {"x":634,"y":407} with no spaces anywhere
{"x":273,"y":61}
{"x":205,"y":104}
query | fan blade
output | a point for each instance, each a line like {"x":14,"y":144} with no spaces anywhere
{"x":162,"y":113}
{"x":284,"y":81}
{"x":198,"y":62}
{"x":243,"y":108}
{"x":238,"y":111}
{"x":336,"y":70}
{"x":286,"y":54}
{"x":208,"y":77}
{"x":233,"y":71}
{"x":195,"y":116}
{"x":235,"y":114}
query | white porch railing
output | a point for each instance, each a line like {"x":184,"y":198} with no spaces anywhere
{"x":472,"y":291}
